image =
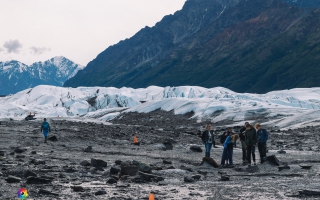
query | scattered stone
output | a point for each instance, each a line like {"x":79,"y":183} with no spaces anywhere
{"x":310,"y":192}
{"x":112,"y":181}
{"x":195,"y":148}
{"x":186,"y":168}
{"x":210,"y":161}
{"x":114,"y":170}
{"x":13,"y":179}
{"x":20,"y":156}
{"x":252,"y":169}
{"x":188,"y":179}
{"x":18,"y":150}
{"x":171,"y":167}
{"x":12,"y":153}
{"x":29,"y":173}
{"x":167,"y":162}
{"x":143,"y":167}
{"x":130,"y":170}
{"x":202,"y":172}
{"x":305,"y":166}
{"x":100,"y":192}
{"x":36,"y":180}
{"x":150,"y":177}
{"x":33,"y":152}
{"x":88,"y":149}
{"x":53,"y":138}
{"x":98,"y":163}
{"x":225,"y":177}
{"x":123,"y":185}
{"x":196,"y":177}
{"x":282,"y":167}
{"x":47,"y":192}
{"x":84,"y":163}
{"x":118,"y":162}
{"x":273,"y":159}
{"x":77,"y":188}
{"x":282,"y":151}
{"x":2,"y":153}
{"x":168,"y":144}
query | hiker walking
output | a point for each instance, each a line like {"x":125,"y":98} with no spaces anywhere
{"x":251,"y":140}
{"x":45,"y":129}
{"x":262,"y":142}
{"x":228,"y":148}
{"x":243,"y":142}
{"x":208,"y":139}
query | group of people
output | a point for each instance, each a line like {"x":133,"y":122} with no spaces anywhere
{"x":250,"y":137}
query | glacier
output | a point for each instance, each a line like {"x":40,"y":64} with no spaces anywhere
{"x":285,"y":109}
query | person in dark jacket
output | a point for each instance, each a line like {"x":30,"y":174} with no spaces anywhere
{"x":262,"y":142}
{"x":45,"y":129}
{"x":243,"y":143}
{"x":208,"y":139}
{"x":251,"y":141}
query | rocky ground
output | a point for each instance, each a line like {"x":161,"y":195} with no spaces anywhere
{"x":66,"y":169}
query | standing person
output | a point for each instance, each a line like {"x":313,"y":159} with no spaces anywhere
{"x":243,"y":142}
{"x":251,"y":140}
{"x":227,"y":151}
{"x":262,"y":142}
{"x":45,"y":129}
{"x":208,"y":139}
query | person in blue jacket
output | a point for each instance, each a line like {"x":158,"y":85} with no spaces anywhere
{"x":227,"y":151}
{"x":262,"y":141}
{"x":45,"y":129}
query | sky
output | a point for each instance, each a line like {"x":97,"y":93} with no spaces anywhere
{"x":37,"y":30}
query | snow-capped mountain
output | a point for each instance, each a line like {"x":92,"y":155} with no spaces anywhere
{"x":282,"y":109}
{"x":16,"y":76}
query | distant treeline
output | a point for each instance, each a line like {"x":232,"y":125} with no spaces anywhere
{"x":2,"y":95}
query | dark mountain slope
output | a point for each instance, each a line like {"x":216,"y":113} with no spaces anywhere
{"x":234,"y":44}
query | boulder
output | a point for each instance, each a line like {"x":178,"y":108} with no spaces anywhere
{"x":47,"y":192}
{"x":29,"y":173}
{"x":189,"y":179}
{"x":195,"y":148}
{"x":130,"y":170}
{"x":13,"y":179}
{"x":112,"y":181}
{"x":98,"y":163}
{"x":18,"y":150}
{"x":305,"y":166}
{"x":85,"y":163}
{"x":100,"y":192}
{"x":118,"y":162}
{"x":252,"y":169}
{"x":143,"y":167}
{"x":210,"y":161}
{"x":88,"y":149}
{"x":77,"y":188}
{"x":53,"y":138}
{"x":150,"y":177}
{"x":310,"y":192}
{"x":36,"y":180}
{"x":273,"y":159}
{"x":114,"y":170}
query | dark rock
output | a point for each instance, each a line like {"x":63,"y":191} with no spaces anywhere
{"x":12,"y":153}
{"x":168,"y":145}
{"x":143,"y":167}
{"x":252,"y":169}
{"x":171,"y":167}
{"x":114,"y":170}
{"x":112,"y":181}
{"x":273,"y":159}
{"x":84,"y":163}
{"x":2,"y":153}
{"x":188,"y":179}
{"x":18,"y":150}
{"x":13,"y":179}
{"x":225,"y":177}
{"x":167,"y":162}
{"x":29,"y":173}
{"x":53,"y":138}
{"x":186,"y":168}
{"x":196,"y":177}
{"x":150,"y":177}
{"x":123,"y":185}
{"x":282,"y":151}
{"x":310,"y":192}
{"x":77,"y":188}
{"x":88,"y":149}
{"x":118,"y":162}
{"x":202,"y":172}
{"x":98,"y":163}
{"x":36,"y":180}
{"x":20,"y":156}
{"x":100,"y":192}
{"x":209,"y":161}
{"x":195,"y":148}
{"x":33,"y":152}
{"x":305,"y":166}
{"x":130,"y":170}
{"x":282,"y":167}
{"x":47,"y":192}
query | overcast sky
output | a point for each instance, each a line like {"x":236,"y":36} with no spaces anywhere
{"x":36,"y":30}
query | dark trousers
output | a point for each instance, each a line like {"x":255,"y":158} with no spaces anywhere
{"x":227,"y":155}
{"x":262,"y":147}
{"x":250,"y":151}
{"x":208,"y":149}
{"x":244,"y":150}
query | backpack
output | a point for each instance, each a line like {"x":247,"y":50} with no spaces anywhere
{"x":223,"y":138}
{"x":45,"y":125}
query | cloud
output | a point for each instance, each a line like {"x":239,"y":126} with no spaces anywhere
{"x":1,"y":49}
{"x":39,"y":50}
{"x":12,"y":46}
